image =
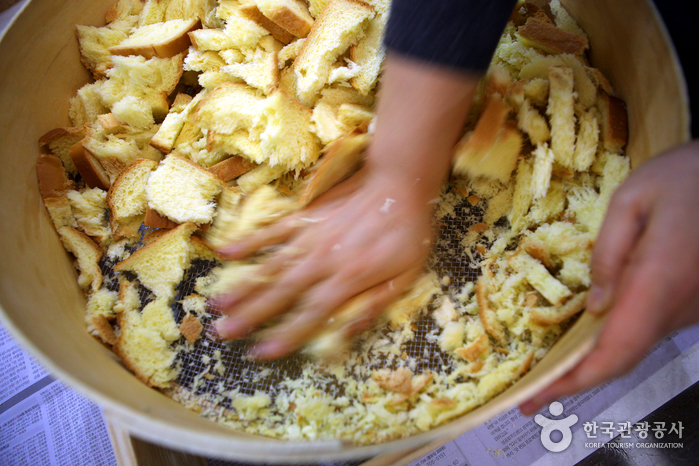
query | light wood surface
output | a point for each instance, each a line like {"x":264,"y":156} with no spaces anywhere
{"x":43,"y":307}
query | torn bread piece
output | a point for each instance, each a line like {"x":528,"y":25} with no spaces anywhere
{"x":183,"y":191}
{"x":191,"y":328}
{"x":261,"y":72}
{"x":88,"y":256}
{"x":87,"y":104}
{"x":368,"y":53}
{"x":342,"y":158}
{"x":559,"y":314}
{"x":229,"y":108}
{"x":60,"y":212}
{"x":99,"y":312}
{"x":487,"y":315}
{"x":551,"y":39}
{"x":341,"y":24}
{"x":232,"y":168}
{"x":540,"y":278}
{"x":89,"y":208}
{"x":127,"y":198}
{"x":154,"y":220}
{"x":94,"y":43}
{"x":113,"y":153}
{"x":89,"y":167}
{"x":163,"y":40}
{"x":531,"y":122}
{"x":160,"y":265}
{"x":157,"y":316}
{"x":167,"y":135}
{"x":541,"y":172}
{"x":252,"y":12}
{"x":354,"y":114}
{"x":59,"y":141}
{"x":561,"y":115}
{"x":587,"y":141}
{"x":615,"y":132}
{"x":291,"y":15}
{"x":51,"y":177}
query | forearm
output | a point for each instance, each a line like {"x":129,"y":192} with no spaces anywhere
{"x":421,"y":112}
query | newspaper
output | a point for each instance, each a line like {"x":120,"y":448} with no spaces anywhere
{"x":599,"y":414}
{"x":41,"y":420}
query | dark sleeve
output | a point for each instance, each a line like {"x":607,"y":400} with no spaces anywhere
{"x":456,"y":33}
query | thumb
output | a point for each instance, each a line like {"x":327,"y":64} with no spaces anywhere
{"x":623,"y":225}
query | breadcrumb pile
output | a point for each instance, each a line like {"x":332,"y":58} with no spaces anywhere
{"x":208,"y":120}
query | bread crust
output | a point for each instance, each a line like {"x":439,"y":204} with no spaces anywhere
{"x":232,"y":168}
{"x":51,"y":176}
{"x":615,"y":131}
{"x":89,"y":167}
{"x":546,"y":36}
{"x":165,"y":49}
{"x":191,"y":328}
{"x":253,"y":13}
{"x":156,"y":220}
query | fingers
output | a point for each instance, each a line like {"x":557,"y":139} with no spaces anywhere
{"x":273,"y":235}
{"x":256,"y":308}
{"x":326,"y":301}
{"x":619,"y":234}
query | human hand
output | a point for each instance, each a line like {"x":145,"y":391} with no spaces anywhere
{"x":373,"y":232}
{"x":645,"y":270}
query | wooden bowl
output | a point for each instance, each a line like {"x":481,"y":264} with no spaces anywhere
{"x":43,"y":307}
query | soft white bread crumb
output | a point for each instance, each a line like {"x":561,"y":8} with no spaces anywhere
{"x":153,"y":11}
{"x":162,"y":40}
{"x":418,"y":296}
{"x":290,"y":15}
{"x":167,"y":135}
{"x":587,"y":141}
{"x":160,"y":265}
{"x":540,"y":278}
{"x":94,"y":46}
{"x":238,"y":32}
{"x":252,"y":12}
{"x":89,"y":208}
{"x":522,"y":197}
{"x":354,"y":114}
{"x":547,"y":207}
{"x":325,"y":124}
{"x":60,"y":212}
{"x":262,"y":72}
{"x":341,"y":24}
{"x":585,"y":89}
{"x":87,"y":104}
{"x":241,"y":143}
{"x":541,"y":173}
{"x":112,"y":153}
{"x":157,"y":316}
{"x":290,"y":52}
{"x":561,"y":114}
{"x":127,"y":197}
{"x":283,"y":128}
{"x":533,"y":123}
{"x":122,"y":9}
{"x":134,"y":111}
{"x":259,"y":176}
{"x":60,"y":140}
{"x":452,"y":336}
{"x":202,"y":10}
{"x":183,"y":191}
{"x":207,"y":60}
{"x":228,"y":108}
{"x":563,"y":19}
{"x":88,"y":256}
{"x":316,"y":7}
{"x":368,"y":54}
{"x":98,"y":312}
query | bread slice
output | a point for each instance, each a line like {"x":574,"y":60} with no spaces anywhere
{"x":549,"y":38}
{"x":160,"y":265}
{"x":291,"y":15}
{"x":165,"y":138}
{"x":614,"y":122}
{"x":153,"y":11}
{"x":369,"y":54}
{"x":183,"y":191}
{"x":88,"y":256}
{"x":341,"y":25}
{"x":60,"y":212}
{"x":342,"y":158}
{"x":89,"y":208}
{"x":60,"y":140}
{"x":522,"y":197}
{"x":252,"y":12}
{"x":89,"y":167}
{"x":127,"y":198}
{"x":540,"y":278}
{"x":232,"y":168}
{"x":87,"y":104}
{"x":283,"y":128}
{"x":561,"y":115}
{"x":162,"y":40}
{"x":51,"y":176}
{"x":261,"y":72}
{"x":228,"y":108}
{"x":94,"y":44}
{"x":316,"y":7}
